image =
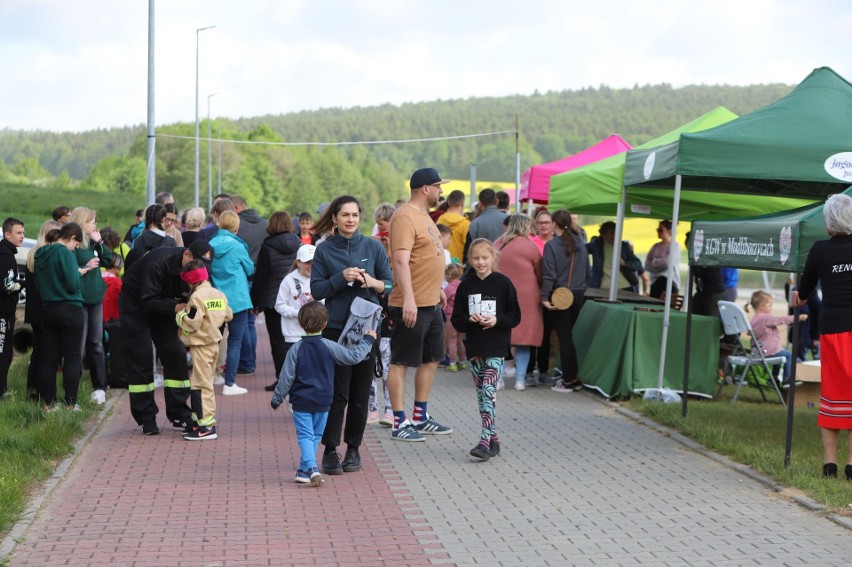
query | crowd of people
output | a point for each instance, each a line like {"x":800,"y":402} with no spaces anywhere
{"x":443,"y":283}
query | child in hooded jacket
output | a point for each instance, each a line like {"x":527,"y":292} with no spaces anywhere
{"x":486,"y":309}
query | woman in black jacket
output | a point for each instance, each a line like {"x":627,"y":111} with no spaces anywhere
{"x":274,"y":261}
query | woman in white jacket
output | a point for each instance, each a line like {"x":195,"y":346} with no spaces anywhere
{"x":294,"y":291}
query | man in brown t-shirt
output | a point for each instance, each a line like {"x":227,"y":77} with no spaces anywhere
{"x":415,"y":306}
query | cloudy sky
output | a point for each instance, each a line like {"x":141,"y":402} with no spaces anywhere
{"x":82,"y":64}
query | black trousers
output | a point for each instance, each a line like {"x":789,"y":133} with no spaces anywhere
{"x":276,"y":339}
{"x":63,"y":326}
{"x":352,"y":386}
{"x":139,"y":354}
{"x":36,"y":355}
{"x":542,"y":355}
{"x":564,"y":323}
{"x":7,"y":331}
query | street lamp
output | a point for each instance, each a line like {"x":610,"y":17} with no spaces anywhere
{"x":197,"y":150}
{"x":209,"y":157}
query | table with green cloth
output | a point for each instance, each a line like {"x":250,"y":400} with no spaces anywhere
{"x":618,"y":349}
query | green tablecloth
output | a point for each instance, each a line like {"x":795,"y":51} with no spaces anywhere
{"x":618,"y":349}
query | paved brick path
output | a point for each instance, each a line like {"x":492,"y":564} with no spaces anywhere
{"x":577,"y":484}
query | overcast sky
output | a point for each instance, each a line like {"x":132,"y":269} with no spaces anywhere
{"x":82,"y":64}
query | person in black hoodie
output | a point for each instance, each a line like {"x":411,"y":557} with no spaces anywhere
{"x":154,"y":236}
{"x":486,"y":309}
{"x":274,"y":262}
{"x":13,"y":236}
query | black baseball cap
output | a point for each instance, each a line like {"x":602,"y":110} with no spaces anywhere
{"x":426,"y":176}
{"x":201,"y":250}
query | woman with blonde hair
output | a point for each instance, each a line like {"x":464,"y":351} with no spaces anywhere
{"x":520,"y":261}
{"x":195,"y":218}
{"x":92,"y":251}
{"x":230,"y":271}
{"x":32,"y":308}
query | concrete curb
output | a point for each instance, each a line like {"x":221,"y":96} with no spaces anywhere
{"x":28,"y":516}
{"x":801,"y":500}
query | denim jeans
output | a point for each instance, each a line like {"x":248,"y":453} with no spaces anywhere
{"x":92,"y":344}
{"x":309,"y":428}
{"x":522,"y":361}
{"x":248,"y":350}
{"x":236,"y":329}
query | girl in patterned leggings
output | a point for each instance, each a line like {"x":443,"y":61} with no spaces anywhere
{"x":486,"y":309}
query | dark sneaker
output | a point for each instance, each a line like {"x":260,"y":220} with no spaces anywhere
{"x":150,"y":429}
{"x":316,"y":477}
{"x":245,"y":371}
{"x":352,"y":460}
{"x":201,"y":434}
{"x":331,"y":463}
{"x":303,"y":476}
{"x":494,"y":448}
{"x":187,"y":427}
{"x":432,"y":427}
{"x":480,"y":452}
{"x":406,"y":432}
{"x":271,"y":387}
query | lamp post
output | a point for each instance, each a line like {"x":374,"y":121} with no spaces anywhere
{"x":197,"y":150}
{"x":209,"y":157}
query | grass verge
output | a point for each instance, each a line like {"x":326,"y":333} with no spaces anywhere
{"x":753,"y":433}
{"x":32,"y":442}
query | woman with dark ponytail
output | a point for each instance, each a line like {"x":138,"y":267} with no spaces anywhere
{"x":565,"y":264}
{"x":59,"y":279}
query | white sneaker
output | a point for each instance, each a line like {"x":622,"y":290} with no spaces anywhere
{"x":520,"y":384}
{"x":218,"y":380}
{"x":509,"y":372}
{"x":99,"y":397}
{"x":158,"y":380}
{"x":233,"y":390}
{"x":500,"y":384}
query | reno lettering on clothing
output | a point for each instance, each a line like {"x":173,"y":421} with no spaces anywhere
{"x":840,"y":268}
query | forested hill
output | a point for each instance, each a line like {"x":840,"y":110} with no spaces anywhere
{"x":552,"y":125}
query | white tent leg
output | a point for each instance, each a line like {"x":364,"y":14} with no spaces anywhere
{"x":669,"y":282}
{"x":616,"y":246}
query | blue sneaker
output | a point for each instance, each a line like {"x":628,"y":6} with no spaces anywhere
{"x":406,"y":432}
{"x":316,"y":477}
{"x":303,"y":477}
{"x":431,"y":427}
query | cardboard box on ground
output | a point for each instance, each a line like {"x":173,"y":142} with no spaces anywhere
{"x":807,"y":393}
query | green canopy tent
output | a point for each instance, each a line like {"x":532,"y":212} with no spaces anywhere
{"x":799,"y":146}
{"x":598,"y":188}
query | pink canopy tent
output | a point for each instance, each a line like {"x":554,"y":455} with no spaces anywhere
{"x":535,"y":182}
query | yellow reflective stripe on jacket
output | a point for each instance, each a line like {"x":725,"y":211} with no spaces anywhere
{"x":207,"y":422}
{"x":140,"y":388}
{"x":215,"y":304}
{"x":176,"y":383}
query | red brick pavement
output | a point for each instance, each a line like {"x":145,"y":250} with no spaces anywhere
{"x":132,"y":500}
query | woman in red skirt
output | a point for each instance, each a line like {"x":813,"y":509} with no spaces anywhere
{"x":830,"y":263}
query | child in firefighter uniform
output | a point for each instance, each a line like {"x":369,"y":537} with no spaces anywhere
{"x":200,"y":326}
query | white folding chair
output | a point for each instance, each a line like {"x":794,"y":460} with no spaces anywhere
{"x":745,"y":361}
